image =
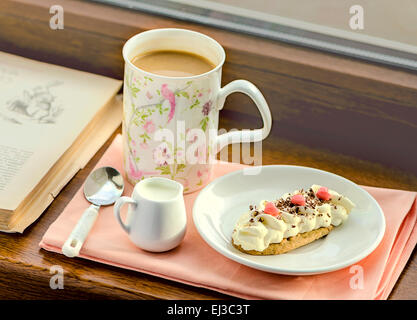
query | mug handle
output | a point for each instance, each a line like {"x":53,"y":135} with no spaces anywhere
{"x":253,"y":92}
{"x":118,"y":205}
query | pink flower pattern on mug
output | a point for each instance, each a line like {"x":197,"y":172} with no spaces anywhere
{"x":207,"y":108}
{"x":203,"y":176}
{"x":168,"y":161}
{"x":149,"y":127}
{"x":162,"y":156}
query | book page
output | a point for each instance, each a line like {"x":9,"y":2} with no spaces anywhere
{"x":43,"y":108}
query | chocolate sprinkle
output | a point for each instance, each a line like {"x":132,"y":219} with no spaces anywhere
{"x":286,"y":205}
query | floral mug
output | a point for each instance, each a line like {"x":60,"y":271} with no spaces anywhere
{"x":170,"y":124}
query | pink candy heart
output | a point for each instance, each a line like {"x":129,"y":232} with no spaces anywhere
{"x":298,"y":200}
{"x":271,"y":209}
{"x":323,"y":194}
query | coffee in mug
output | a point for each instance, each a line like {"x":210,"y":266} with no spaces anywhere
{"x":173,"y":63}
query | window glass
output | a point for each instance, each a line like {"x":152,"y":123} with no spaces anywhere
{"x":383,"y":31}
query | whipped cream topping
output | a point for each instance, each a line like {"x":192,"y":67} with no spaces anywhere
{"x":257,"y":229}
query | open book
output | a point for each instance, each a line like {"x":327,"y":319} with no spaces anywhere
{"x":52,"y":121}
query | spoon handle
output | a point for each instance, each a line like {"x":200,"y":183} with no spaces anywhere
{"x":75,"y":241}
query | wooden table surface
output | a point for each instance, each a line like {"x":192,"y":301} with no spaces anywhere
{"x":25,"y":268}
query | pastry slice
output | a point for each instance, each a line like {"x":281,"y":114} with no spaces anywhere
{"x":294,"y":220}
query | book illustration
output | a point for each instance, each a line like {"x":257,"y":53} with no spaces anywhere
{"x":52,"y":121}
{"x":33,"y":106}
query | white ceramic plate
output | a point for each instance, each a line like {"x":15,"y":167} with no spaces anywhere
{"x":220,"y":204}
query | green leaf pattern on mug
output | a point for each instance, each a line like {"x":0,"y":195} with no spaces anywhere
{"x":142,"y":117}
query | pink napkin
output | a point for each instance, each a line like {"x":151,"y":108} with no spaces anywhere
{"x":195,"y":263}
